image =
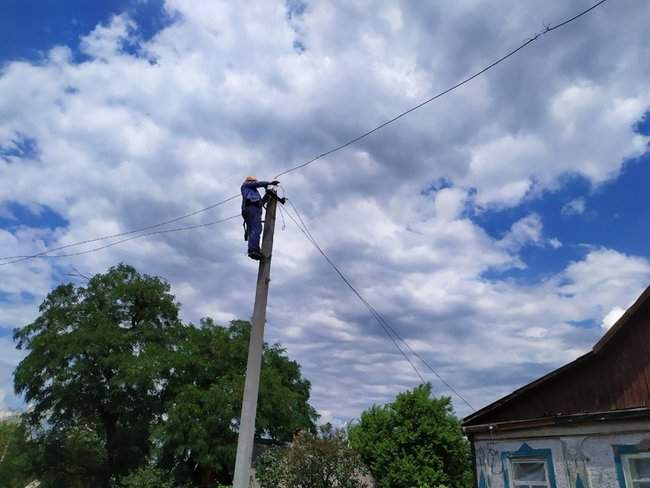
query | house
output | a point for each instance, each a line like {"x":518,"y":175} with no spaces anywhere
{"x":584,"y":425}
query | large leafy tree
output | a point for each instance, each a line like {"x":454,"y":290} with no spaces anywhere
{"x":415,"y":441}
{"x":116,"y":381}
{"x":99,"y":362}
{"x":199,"y":434}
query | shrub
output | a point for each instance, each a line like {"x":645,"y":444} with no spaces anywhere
{"x":324,"y":461}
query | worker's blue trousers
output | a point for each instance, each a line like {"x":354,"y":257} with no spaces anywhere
{"x":253,"y":217}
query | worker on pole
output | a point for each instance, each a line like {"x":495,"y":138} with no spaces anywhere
{"x":251,"y":210}
{"x":246,"y":434}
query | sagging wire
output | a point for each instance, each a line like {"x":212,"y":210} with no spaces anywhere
{"x":121,"y":241}
{"x":388,"y":329}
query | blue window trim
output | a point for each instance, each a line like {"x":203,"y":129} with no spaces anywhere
{"x":621,"y":450}
{"x":525,"y":451}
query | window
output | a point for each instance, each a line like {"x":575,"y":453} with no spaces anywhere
{"x":528,"y":468}
{"x":637,"y":470}
{"x":532,"y":473}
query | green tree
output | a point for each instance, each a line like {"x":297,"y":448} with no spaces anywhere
{"x":70,"y":457}
{"x":324,"y":461}
{"x":118,"y":382}
{"x":98,"y":360}
{"x":198,"y":437}
{"x":149,"y":477}
{"x":15,"y":461}
{"x":415,"y":441}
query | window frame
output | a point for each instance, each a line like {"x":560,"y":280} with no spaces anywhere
{"x":525,"y":452}
{"x":627,"y":471}
{"x":531,"y":459}
{"x":621,"y":451}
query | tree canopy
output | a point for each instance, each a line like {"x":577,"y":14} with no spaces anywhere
{"x":414,"y":441}
{"x":199,"y":436}
{"x":117,"y":381}
{"x":98,"y":359}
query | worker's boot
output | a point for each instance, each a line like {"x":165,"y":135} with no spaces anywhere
{"x":255,"y":254}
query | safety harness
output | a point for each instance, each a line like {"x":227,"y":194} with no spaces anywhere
{"x":258,"y":203}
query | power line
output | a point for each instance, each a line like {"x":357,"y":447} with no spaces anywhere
{"x":17,"y":259}
{"x":442,"y":93}
{"x":311,"y":239}
{"x":121,"y":241}
{"x":380,"y":319}
{"x":390,"y":331}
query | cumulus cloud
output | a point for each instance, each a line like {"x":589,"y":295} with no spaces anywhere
{"x":576,"y":206}
{"x":612,"y":317}
{"x":525,"y":231}
{"x":142,"y":131}
{"x":107,"y":41}
{"x":528,"y":231}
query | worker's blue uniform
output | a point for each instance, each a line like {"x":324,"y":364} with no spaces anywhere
{"x":251,"y":210}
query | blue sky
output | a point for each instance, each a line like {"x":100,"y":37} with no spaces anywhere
{"x":614,"y":217}
{"x":31,"y":27}
{"x":531,"y":247}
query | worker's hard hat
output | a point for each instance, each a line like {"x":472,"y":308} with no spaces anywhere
{"x":251,"y":178}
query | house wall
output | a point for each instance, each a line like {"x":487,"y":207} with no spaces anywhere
{"x":579,"y":461}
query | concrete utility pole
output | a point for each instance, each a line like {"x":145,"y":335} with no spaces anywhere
{"x":251,"y":388}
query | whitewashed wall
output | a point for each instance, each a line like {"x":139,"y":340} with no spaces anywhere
{"x":589,"y":456}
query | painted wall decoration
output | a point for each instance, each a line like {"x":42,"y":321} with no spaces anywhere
{"x":586,"y":461}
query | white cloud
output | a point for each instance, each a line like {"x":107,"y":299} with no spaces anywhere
{"x":576,"y":206}
{"x":527,"y":231}
{"x":612,"y":317}
{"x":450,"y":203}
{"x":124,"y":141}
{"x":105,"y":42}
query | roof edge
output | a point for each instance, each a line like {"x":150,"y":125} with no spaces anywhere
{"x":618,"y":325}
{"x":519,"y":391}
{"x":569,"y":419}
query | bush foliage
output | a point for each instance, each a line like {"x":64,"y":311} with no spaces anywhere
{"x":415,"y":441}
{"x":323,"y":461}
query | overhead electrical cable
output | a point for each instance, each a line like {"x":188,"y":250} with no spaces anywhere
{"x":442,"y":93}
{"x":390,"y":331}
{"x":359,"y":296}
{"x":121,"y":241}
{"x":16,"y":259}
